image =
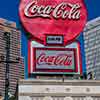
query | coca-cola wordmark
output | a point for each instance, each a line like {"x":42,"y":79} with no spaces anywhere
{"x":60,"y":17}
{"x":54,"y":60}
{"x":59,"y":11}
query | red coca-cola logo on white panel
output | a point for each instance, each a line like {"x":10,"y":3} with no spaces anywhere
{"x":65,"y":18}
{"x":47,"y":58}
{"x":54,"y":60}
{"x":59,"y":59}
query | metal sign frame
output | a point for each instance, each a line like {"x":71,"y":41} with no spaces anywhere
{"x":31,"y":72}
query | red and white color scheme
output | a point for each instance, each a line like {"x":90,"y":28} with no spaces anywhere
{"x":53,"y":24}
{"x":65,"y":18}
{"x":43,"y":59}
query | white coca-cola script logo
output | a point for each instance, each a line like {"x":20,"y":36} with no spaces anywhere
{"x":63,"y":10}
{"x":60,"y":59}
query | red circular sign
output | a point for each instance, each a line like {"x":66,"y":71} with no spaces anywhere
{"x":60,"y":17}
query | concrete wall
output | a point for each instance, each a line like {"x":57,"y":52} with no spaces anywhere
{"x":59,"y":90}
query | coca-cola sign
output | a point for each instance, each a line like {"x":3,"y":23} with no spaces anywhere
{"x":54,"y":59}
{"x":58,"y":11}
{"x":60,"y":17}
{"x":47,"y":59}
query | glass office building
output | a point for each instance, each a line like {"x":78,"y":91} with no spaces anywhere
{"x":92,"y":47}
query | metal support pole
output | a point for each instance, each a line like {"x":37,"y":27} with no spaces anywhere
{"x":7,"y":39}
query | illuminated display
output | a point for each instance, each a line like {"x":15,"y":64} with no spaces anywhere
{"x":43,"y":59}
{"x":47,"y":17}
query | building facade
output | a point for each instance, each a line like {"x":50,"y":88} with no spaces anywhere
{"x":92,"y":48}
{"x":16,"y":70}
{"x":59,"y":90}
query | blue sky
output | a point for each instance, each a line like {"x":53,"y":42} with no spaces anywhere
{"x":9,"y":10}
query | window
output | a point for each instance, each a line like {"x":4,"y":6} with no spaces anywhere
{"x":88,"y":98}
{"x":48,"y":98}
{"x":68,"y":98}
